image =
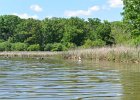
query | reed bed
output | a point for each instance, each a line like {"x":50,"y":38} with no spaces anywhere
{"x":28,"y":54}
{"x":116,"y":54}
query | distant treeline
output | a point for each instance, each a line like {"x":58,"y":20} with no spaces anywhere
{"x":58,"y":34}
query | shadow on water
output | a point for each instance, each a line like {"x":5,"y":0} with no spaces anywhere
{"x":55,"y":79}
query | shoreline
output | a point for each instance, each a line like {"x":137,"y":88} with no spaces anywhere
{"x":28,"y":54}
{"x":115,"y":54}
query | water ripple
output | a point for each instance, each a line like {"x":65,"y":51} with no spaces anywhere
{"x":42,"y":80}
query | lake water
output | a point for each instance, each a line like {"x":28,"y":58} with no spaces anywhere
{"x":54,"y":79}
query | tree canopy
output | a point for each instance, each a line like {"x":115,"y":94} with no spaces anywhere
{"x":57,"y":34}
{"x":131,"y":15}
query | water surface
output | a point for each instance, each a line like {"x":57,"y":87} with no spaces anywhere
{"x":68,"y":80}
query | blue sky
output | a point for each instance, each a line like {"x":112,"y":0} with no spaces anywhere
{"x":39,"y":9}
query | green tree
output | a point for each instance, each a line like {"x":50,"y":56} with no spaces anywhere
{"x":53,"y":29}
{"x":93,"y":24}
{"x":104,"y":33}
{"x":97,"y":43}
{"x":55,"y":47}
{"x":29,"y":31}
{"x":8,"y":24}
{"x":120,"y":32}
{"x":19,"y":46}
{"x":5,"y":46}
{"x":131,"y":15}
{"x":75,"y":31}
{"x":34,"y":47}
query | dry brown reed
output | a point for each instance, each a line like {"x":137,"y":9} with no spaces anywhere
{"x":28,"y":54}
{"x":117,"y":54}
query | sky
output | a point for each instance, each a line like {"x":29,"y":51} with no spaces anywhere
{"x":40,"y":9}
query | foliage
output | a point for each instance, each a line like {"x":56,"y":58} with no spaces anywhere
{"x":97,"y":43}
{"x":29,"y":31}
{"x":5,"y":46}
{"x":104,"y":33}
{"x":75,"y":31}
{"x":135,"y":41}
{"x":58,"y":34}
{"x":131,"y":15}
{"x":48,"y":47}
{"x":120,"y":32}
{"x":1,"y":40}
{"x":70,"y":45}
{"x":55,"y":47}
{"x":19,"y":46}
{"x":34,"y":47}
{"x":53,"y":30}
{"x":8,"y":25}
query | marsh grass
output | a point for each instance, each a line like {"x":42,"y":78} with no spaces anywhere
{"x":28,"y":54}
{"x":116,"y":54}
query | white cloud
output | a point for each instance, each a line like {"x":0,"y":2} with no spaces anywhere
{"x":115,"y":3}
{"x":26,"y":16}
{"x":36,"y":8}
{"x":82,"y":12}
{"x":49,"y":17}
{"x":105,"y":7}
{"x":94,"y":8}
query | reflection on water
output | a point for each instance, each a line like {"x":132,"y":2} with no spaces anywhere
{"x":54,"y":80}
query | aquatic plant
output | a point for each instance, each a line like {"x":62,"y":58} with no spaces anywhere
{"x":116,"y":54}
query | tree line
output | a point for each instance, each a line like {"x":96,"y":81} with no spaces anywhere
{"x":58,"y":34}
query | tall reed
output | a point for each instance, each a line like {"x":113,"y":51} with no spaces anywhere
{"x":117,"y":54}
{"x":28,"y":54}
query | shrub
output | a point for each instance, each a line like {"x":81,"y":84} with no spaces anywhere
{"x":34,"y":47}
{"x":5,"y":46}
{"x":55,"y":47}
{"x":1,"y":40}
{"x":58,"y":47}
{"x":70,"y":45}
{"x":19,"y":46}
{"x":48,"y":47}
{"x":135,"y":41}
{"x":97,"y":43}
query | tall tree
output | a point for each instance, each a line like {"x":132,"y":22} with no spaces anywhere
{"x":8,"y":24}
{"x":75,"y":31}
{"x":93,"y":24}
{"x":103,"y":32}
{"x":131,"y":15}
{"x":29,"y":31}
{"x":53,"y":29}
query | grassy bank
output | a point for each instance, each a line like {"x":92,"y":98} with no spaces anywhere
{"x":116,"y":54}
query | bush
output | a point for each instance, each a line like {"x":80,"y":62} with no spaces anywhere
{"x":97,"y":43}
{"x":58,"y":47}
{"x":1,"y":40}
{"x":34,"y":47}
{"x":55,"y":47}
{"x":48,"y":47}
{"x":19,"y":46}
{"x":135,"y":41}
{"x":70,"y":45}
{"x":5,"y":46}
